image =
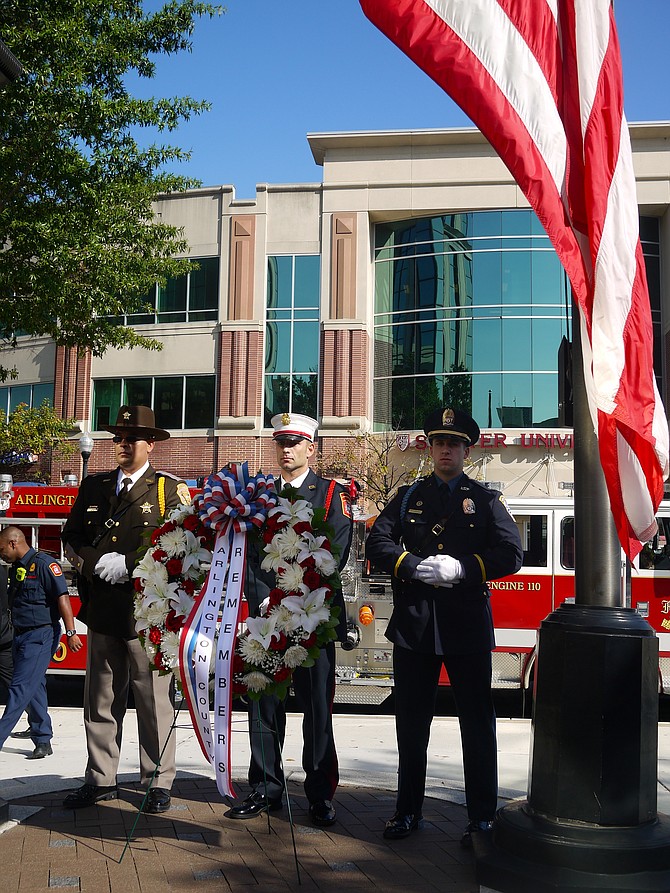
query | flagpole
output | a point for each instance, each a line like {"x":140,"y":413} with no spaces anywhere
{"x":591,"y":812}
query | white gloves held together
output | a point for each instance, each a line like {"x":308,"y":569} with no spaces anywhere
{"x":439,"y":570}
{"x":111,"y":568}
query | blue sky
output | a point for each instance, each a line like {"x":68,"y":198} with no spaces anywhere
{"x":275,"y":71}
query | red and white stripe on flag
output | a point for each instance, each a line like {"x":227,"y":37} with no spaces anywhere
{"x":542,"y":81}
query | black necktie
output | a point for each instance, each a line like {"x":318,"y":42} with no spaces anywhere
{"x":125,"y":487}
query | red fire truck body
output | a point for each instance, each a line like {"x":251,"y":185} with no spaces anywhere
{"x":364,"y":670}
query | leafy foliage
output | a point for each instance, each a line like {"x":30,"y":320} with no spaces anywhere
{"x":81,"y":243}
{"x":29,"y":431}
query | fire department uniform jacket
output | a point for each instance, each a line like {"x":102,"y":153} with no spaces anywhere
{"x":108,"y":608}
{"x":314,"y":489}
{"x":471,"y":524}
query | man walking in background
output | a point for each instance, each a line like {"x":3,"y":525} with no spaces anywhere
{"x":38,"y":598}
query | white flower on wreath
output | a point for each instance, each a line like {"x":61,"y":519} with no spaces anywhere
{"x":252,"y":650}
{"x":292,"y":512}
{"x":179,"y":513}
{"x":288,"y":542}
{"x":323,"y":559}
{"x":173,"y":542}
{"x":194,"y":557}
{"x":290,"y":579}
{"x":287,"y":621}
{"x":262,"y":629}
{"x":310,"y":609}
{"x":148,"y":569}
{"x":256,"y":681}
{"x":182,"y":603}
{"x":274,"y":557}
{"x":295,"y":656}
{"x":150,"y":612}
{"x":170,"y":649}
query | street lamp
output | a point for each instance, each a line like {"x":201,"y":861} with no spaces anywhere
{"x":85,"y":448}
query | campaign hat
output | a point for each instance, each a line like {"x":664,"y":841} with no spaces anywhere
{"x":138,"y":421}
{"x":293,"y":425}
{"x":453,"y":422}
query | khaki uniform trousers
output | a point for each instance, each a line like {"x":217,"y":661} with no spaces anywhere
{"x":112,"y":665}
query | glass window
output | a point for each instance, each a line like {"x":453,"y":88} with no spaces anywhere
{"x":568,"y":543}
{"x":106,"y":402}
{"x":533,"y":533}
{"x":178,"y":401}
{"x":203,"y":290}
{"x":42,"y":392}
{"x":190,"y":298}
{"x":138,"y":392}
{"x":200,"y":401}
{"x":169,"y":402}
{"x":19,"y":394}
{"x":307,"y":281}
{"x":172,"y":300}
{"x":655,"y":554}
{"x":292,"y":335}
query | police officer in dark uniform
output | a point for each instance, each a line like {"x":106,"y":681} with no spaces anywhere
{"x":442,"y":539}
{"x":105,"y":535}
{"x":38,"y":598}
{"x":314,"y":686}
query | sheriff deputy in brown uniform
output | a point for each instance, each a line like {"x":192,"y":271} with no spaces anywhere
{"x":104,"y":538}
{"x":442,"y":539}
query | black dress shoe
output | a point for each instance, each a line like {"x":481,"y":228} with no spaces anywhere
{"x":26,"y":733}
{"x":401,"y":826}
{"x":322,"y":812}
{"x":89,"y":795}
{"x":254,"y":805}
{"x":41,"y":751}
{"x":158,"y":800}
{"x":475,"y":828}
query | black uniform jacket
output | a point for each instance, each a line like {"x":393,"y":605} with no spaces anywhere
{"x":473,"y":525}
{"x":109,"y":609}
{"x":314,"y":490}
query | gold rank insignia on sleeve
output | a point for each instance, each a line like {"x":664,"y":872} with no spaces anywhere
{"x":183,"y":493}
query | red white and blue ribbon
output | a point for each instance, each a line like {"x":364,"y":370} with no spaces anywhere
{"x":232,"y":504}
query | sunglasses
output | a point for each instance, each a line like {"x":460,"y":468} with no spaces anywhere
{"x":130,"y":439}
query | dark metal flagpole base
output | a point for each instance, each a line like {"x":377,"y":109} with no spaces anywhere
{"x":532,"y":854}
{"x":590,"y":821}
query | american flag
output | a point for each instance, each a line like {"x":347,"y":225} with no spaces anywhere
{"x":542,"y":80}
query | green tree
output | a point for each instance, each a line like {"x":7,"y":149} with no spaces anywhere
{"x":31,"y":436}
{"x":80,"y":242}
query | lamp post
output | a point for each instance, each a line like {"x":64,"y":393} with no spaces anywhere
{"x":85,"y":448}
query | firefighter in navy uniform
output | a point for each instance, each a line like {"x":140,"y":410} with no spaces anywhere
{"x":442,"y":539}
{"x":104,"y":537}
{"x":314,"y":686}
{"x":38,"y":598}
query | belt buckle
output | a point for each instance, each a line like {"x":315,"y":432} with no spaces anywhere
{"x":437,"y":530}
{"x":109,"y":523}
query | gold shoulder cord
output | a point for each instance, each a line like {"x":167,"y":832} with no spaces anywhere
{"x":161,"y":496}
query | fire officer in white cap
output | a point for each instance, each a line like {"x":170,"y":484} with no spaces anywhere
{"x":442,"y":539}
{"x":314,"y":686}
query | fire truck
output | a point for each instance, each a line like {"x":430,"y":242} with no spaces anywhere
{"x":364,"y":672}
{"x":519,"y":603}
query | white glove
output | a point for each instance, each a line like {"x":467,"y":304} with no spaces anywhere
{"x":264,"y":605}
{"x":439,"y":570}
{"x":112,"y":568}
